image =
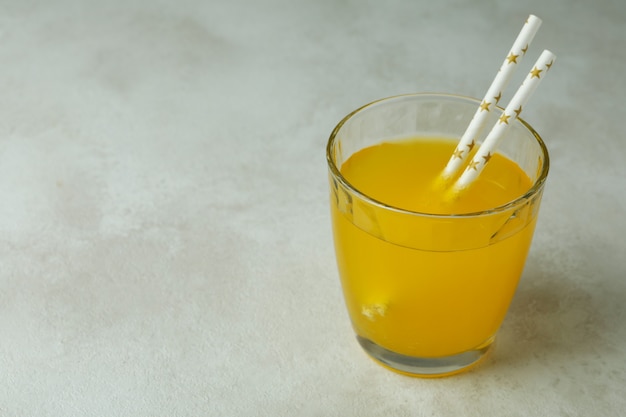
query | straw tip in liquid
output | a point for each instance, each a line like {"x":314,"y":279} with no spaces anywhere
{"x":443,"y":181}
{"x":454,"y":192}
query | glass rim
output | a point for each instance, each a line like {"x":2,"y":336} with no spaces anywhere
{"x":530,"y":193}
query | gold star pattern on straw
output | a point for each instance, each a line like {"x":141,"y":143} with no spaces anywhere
{"x":493,"y":96}
{"x":472,"y":165}
{"x":549,"y":65}
{"x":504,"y":118}
{"x":487,"y":157}
{"x":512,"y":58}
{"x":458,"y":153}
{"x":535,"y":73}
{"x":518,"y":111}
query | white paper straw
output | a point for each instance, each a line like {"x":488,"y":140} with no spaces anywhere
{"x":510,"y":114}
{"x":489,"y":102}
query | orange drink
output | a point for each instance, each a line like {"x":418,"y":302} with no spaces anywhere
{"x":428,"y":274}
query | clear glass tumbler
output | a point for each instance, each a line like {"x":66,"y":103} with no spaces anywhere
{"x":426,"y":293}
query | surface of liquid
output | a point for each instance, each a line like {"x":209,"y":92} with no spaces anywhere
{"x":406,"y":173}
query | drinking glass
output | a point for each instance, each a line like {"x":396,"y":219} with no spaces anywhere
{"x":426,"y":293}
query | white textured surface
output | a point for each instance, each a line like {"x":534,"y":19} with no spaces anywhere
{"x":165,"y":247}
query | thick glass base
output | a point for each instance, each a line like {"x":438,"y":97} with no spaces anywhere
{"x":425,"y":367}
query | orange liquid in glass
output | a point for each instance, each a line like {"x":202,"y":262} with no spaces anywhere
{"x":419,"y":301}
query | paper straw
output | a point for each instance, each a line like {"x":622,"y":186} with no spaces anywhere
{"x":510,"y":114}
{"x":493,"y":95}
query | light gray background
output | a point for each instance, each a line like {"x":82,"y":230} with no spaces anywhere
{"x":165,"y":247}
